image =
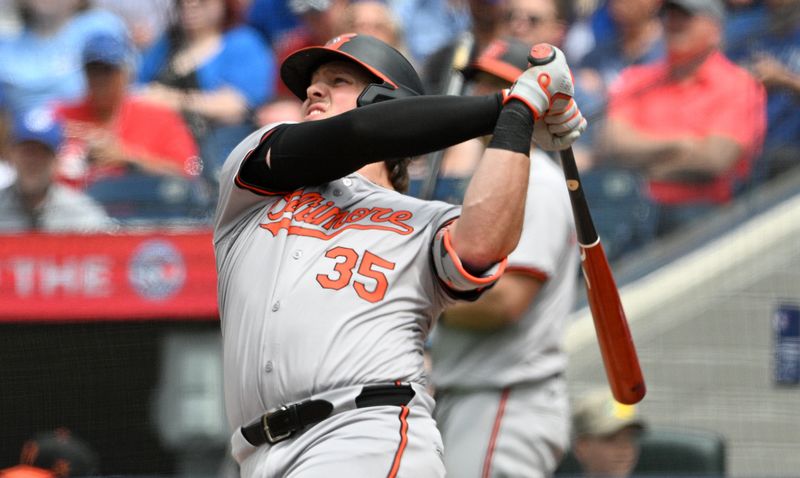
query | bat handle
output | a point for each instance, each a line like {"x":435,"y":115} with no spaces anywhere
{"x":584,"y":226}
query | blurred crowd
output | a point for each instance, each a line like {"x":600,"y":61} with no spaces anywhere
{"x":117,"y":112}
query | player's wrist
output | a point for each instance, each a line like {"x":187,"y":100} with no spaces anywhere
{"x":514,"y":128}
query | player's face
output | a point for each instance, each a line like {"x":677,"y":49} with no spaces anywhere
{"x":334,"y":89}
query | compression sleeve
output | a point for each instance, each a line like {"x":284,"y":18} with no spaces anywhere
{"x":316,"y":152}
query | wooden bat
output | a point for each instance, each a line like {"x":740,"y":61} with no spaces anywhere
{"x":616,"y":344}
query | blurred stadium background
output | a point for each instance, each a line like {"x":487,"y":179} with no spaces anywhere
{"x":115,"y":335}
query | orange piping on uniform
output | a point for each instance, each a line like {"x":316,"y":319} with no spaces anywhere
{"x":404,"y":410}
{"x":537,"y":274}
{"x":501,"y":409}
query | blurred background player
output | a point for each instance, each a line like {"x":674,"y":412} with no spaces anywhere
{"x":35,"y":201}
{"x":605,"y":435}
{"x":55,"y":454}
{"x":497,"y":363}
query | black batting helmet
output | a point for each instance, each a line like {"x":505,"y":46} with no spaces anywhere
{"x":394,"y":75}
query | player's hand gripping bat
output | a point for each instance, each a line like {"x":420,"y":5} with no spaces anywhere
{"x":616,"y":344}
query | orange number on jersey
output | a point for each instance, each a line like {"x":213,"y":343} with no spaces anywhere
{"x":345,"y":268}
{"x":366,"y":270}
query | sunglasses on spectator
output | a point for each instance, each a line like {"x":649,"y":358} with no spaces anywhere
{"x":531,"y":19}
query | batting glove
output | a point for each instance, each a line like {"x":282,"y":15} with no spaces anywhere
{"x":546,"y":84}
{"x":558,"y":130}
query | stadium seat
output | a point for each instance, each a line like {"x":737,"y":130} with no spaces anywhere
{"x":623,"y":216}
{"x":138,"y":196}
{"x":670,"y":452}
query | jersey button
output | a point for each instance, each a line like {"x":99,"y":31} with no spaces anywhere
{"x":297,"y":254}
{"x":268,"y":366}
{"x":337,"y":192}
{"x":276,"y":306}
{"x":347,"y":182}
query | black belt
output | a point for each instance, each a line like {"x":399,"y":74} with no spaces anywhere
{"x":282,"y":423}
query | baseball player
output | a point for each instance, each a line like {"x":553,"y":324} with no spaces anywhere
{"x":329,"y":279}
{"x":497,"y":364}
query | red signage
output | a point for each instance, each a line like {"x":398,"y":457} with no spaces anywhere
{"x":131,"y":276}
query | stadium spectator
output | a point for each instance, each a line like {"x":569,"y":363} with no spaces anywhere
{"x":35,"y":201}
{"x":111,"y":132}
{"x":146,"y":20}
{"x":376,"y":18}
{"x":605,"y":435}
{"x":7,"y":173}
{"x":766,"y":39}
{"x":430,"y":25}
{"x":691,"y":123}
{"x":273,"y":19}
{"x":42,"y":64}
{"x":534,"y":21}
{"x":638,"y":39}
{"x":213,"y":69}
{"x":56,"y":454}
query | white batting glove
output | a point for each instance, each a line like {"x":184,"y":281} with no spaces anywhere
{"x":558,"y":130}
{"x":546,"y":83}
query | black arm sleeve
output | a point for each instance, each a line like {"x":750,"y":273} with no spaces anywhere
{"x":316,"y":152}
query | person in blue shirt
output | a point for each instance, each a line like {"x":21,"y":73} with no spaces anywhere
{"x":215,"y":70}
{"x":766,"y":40}
{"x":42,"y":65}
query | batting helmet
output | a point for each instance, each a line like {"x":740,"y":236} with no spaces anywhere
{"x":394,"y":75}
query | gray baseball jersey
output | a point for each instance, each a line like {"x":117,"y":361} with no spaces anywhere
{"x":529,"y":350}
{"x":502,"y":404}
{"x":326,"y":287}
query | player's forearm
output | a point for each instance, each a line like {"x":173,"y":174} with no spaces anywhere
{"x":494,"y":203}
{"x":493,"y":210}
{"x":319,"y":151}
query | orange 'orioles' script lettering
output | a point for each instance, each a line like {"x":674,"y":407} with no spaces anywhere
{"x":309,"y":214}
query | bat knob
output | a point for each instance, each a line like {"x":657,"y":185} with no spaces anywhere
{"x":541,"y":54}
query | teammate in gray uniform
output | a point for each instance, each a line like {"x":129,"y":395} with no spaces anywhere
{"x":501,"y":398}
{"x":329,"y":280}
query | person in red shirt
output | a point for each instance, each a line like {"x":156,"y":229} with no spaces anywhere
{"x":111,"y":132}
{"x":691,"y":123}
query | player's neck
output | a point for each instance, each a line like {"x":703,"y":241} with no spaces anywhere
{"x":377,"y":173}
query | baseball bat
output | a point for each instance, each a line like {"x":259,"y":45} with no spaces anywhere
{"x":616,"y":344}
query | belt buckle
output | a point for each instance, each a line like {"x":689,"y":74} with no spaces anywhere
{"x":273,"y":439}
